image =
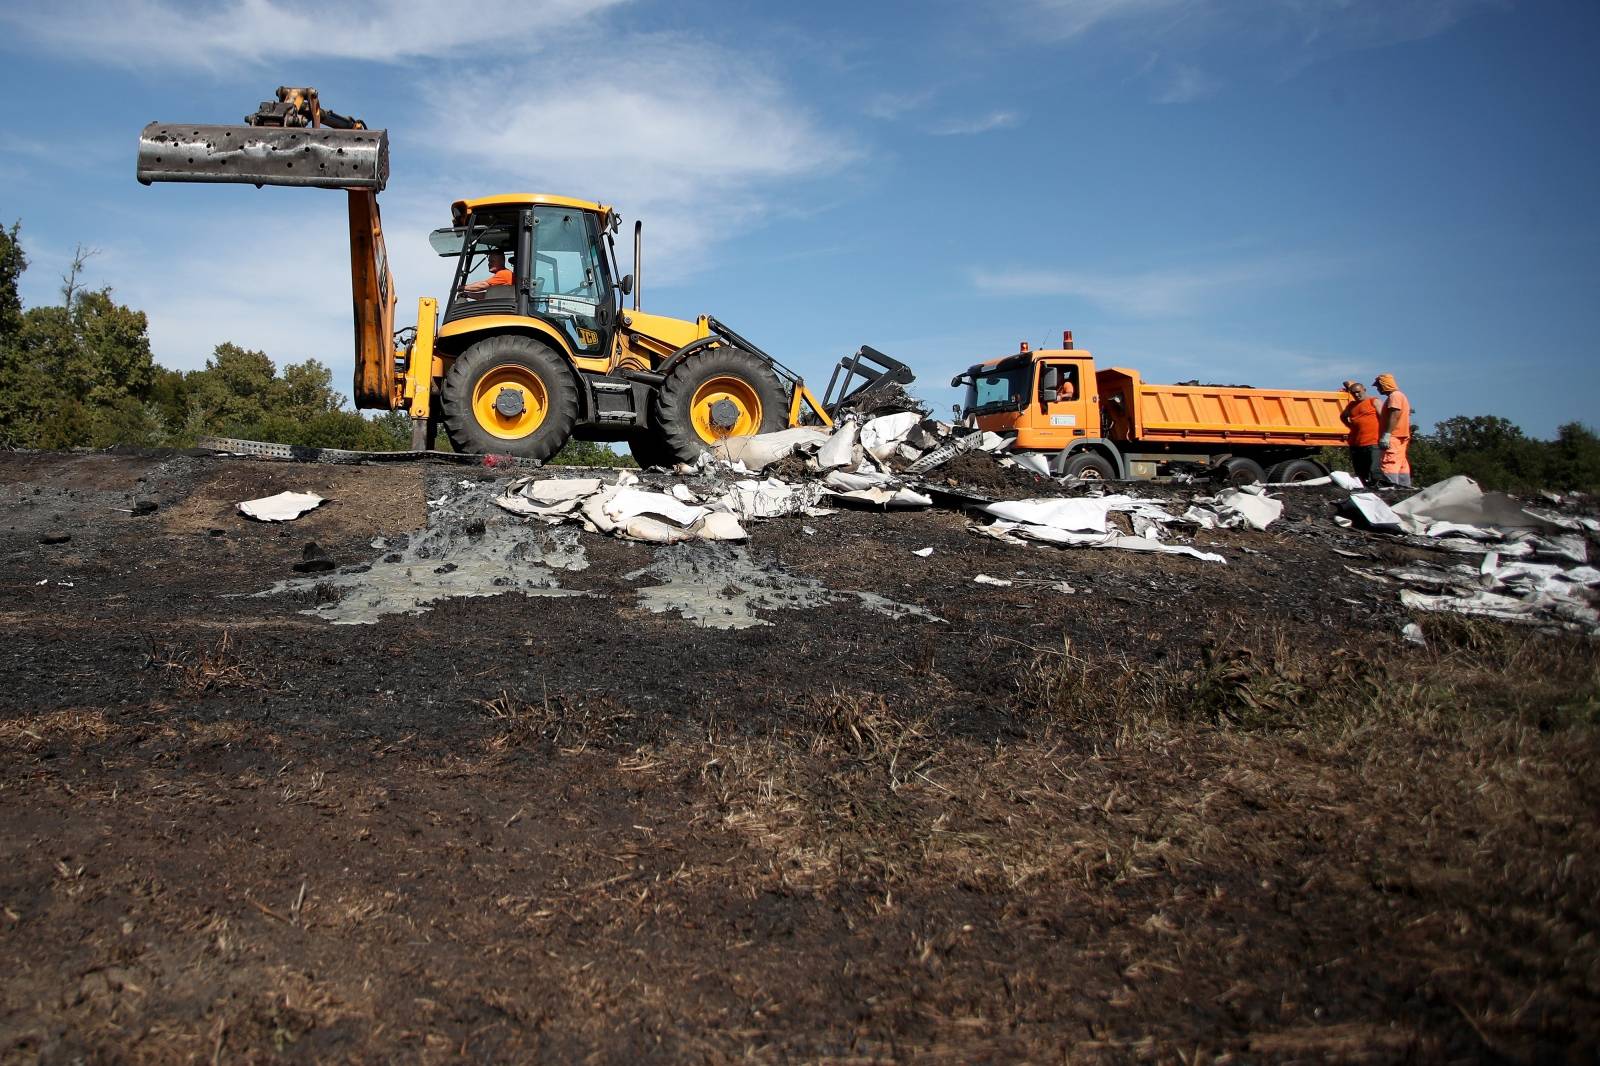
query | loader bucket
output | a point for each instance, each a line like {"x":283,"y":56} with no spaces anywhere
{"x":265,"y":155}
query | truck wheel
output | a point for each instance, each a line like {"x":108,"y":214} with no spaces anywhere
{"x":650,"y":448}
{"x":717,"y":393}
{"x":1242,"y":471}
{"x":1293,"y":470}
{"x":509,"y":395}
{"x":1088,"y":466}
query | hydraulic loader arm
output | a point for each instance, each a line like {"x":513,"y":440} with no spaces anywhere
{"x":372,"y":301}
{"x":296,"y":143}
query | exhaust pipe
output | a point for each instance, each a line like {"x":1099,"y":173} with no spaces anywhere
{"x":638,"y":251}
{"x":265,"y":155}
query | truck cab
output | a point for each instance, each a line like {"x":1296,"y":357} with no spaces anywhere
{"x":1044,"y":400}
{"x":1111,"y":423}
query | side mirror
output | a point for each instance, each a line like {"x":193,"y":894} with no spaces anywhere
{"x":955,"y":382}
{"x":1049,"y":395}
{"x":626,"y":284}
{"x":955,"y":409}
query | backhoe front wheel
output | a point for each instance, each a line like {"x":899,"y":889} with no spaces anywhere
{"x":718,"y":393}
{"x":509,"y":395}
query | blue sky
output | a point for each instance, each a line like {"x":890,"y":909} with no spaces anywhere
{"x":1278,"y":192}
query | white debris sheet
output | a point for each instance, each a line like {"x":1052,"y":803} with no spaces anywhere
{"x":284,"y":507}
{"x":1532,"y":565}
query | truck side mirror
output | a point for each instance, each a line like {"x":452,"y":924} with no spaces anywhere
{"x":1049,"y":395}
{"x":626,"y":284}
{"x":955,"y":382}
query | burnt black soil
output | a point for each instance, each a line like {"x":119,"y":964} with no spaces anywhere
{"x":1182,"y":811}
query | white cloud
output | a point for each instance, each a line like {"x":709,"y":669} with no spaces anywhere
{"x":1150,"y":294}
{"x":218,"y":36}
{"x":995,"y":120}
{"x":696,"y":141}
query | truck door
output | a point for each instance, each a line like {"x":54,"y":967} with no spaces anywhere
{"x":1060,"y":405}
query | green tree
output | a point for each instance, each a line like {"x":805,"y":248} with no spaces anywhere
{"x":1574,"y":460}
{"x":12,"y":264}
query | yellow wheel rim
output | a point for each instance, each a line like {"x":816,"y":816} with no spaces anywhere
{"x":524,"y":395}
{"x":736,"y":391}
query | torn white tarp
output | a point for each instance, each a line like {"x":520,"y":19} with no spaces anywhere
{"x":763,"y":449}
{"x":853,"y":480}
{"x":1033,"y":461}
{"x":1459,"y":499}
{"x":629,"y":502}
{"x":1074,"y":514}
{"x":840,"y":450}
{"x":1248,"y":508}
{"x":886,"y":497}
{"x":556,"y":489}
{"x":284,"y":507}
{"x":1142,"y":544}
{"x":1375,"y":514}
{"x":882,"y":435}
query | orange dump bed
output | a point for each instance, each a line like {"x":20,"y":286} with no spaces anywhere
{"x":1212,"y":414}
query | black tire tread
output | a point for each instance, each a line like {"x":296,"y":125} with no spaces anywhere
{"x":672,"y":402}
{"x":455,"y":396}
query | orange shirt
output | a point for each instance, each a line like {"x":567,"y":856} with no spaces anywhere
{"x":1396,"y":401}
{"x":500,"y":277}
{"x":1362,"y":418}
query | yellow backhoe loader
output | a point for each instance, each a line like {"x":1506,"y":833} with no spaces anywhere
{"x":534,"y":345}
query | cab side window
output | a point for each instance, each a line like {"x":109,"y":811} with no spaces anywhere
{"x":567,"y":280}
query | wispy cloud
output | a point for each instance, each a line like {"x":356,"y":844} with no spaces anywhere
{"x":1185,"y":84}
{"x":1155,"y":293}
{"x":1301,"y":30}
{"x":216,"y":36}
{"x":889,"y":106}
{"x":994,"y":120}
{"x":1072,"y":18}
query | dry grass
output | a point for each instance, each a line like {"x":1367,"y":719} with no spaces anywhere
{"x":1473,"y":677}
{"x":207,"y":669}
{"x":559,"y":723}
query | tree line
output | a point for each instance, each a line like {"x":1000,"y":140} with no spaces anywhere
{"x":81,"y":374}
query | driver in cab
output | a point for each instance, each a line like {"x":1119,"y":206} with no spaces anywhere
{"x":499,"y":274}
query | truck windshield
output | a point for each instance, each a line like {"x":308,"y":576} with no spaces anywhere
{"x":999,"y":390}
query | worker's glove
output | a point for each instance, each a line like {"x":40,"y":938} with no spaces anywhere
{"x":1383,"y":442}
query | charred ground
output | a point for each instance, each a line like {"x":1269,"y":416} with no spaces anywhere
{"x":1184,"y":811}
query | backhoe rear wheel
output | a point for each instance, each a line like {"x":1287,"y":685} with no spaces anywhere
{"x":718,"y":393}
{"x":509,"y":395}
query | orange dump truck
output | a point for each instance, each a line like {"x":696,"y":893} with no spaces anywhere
{"x":1113,"y":424}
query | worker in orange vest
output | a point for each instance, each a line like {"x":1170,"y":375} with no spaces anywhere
{"x":1394,"y":432}
{"x":499,"y":274}
{"x":1360,"y":416}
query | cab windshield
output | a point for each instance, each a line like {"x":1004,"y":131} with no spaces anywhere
{"x":999,"y":389}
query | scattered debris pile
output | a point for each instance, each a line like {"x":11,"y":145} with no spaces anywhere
{"x":1532,"y":562}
